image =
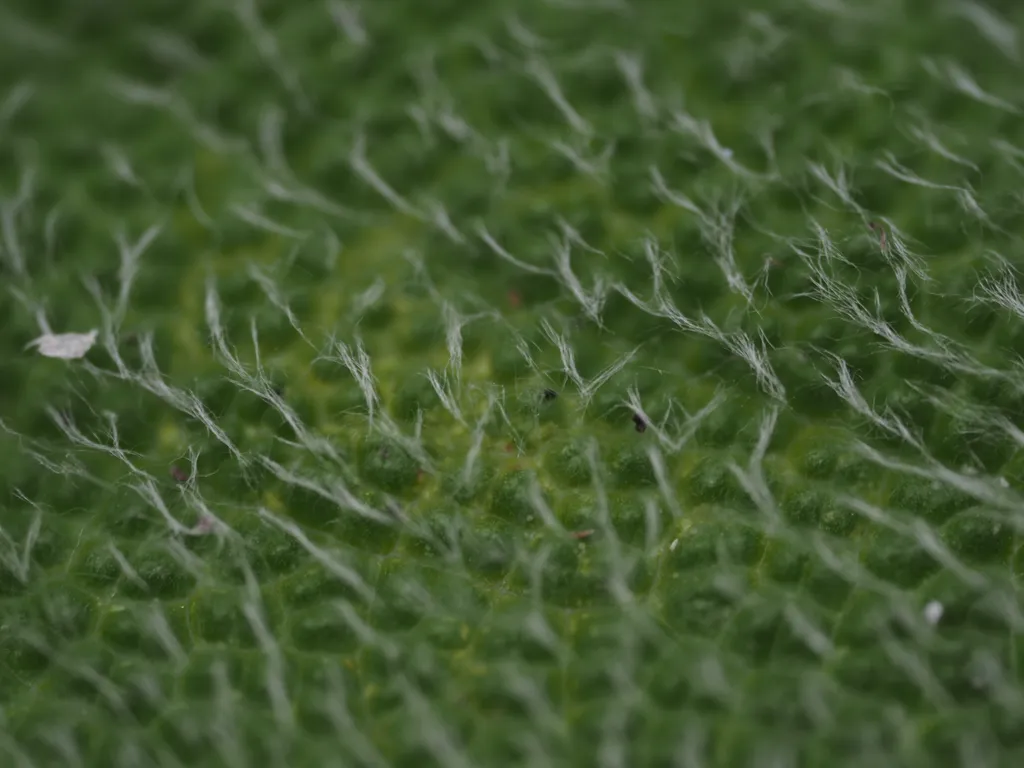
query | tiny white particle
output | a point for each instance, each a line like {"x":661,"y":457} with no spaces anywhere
{"x":1004,"y":482}
{"x":727,"y":152}
{"x":933,"y":612}
{"x":66,"y":346}
{"x":673,"y":545}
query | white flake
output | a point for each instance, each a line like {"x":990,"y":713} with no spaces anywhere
{"x":66,"y":346}
{"x":933,"y":612}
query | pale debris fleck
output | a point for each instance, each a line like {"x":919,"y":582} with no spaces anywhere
{"x":933,"y":612}
{"x":673,"y":545}
{"x":66,"y":346}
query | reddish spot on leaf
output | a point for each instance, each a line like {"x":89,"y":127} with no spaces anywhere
{"x":179,"y":474}
{"x":880,"y":231}
{"x":582,"y":534}
{"x":420,"y":474}
{"x":205,"y":525}
{"x":510,"y":447}
{"x":514,"y":299}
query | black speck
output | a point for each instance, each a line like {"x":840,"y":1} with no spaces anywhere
{"x":641,"y":425}
{"x":550,"y":394}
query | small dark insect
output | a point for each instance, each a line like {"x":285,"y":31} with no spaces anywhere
{"x":179,"y":474}
{"x":582,"y":534}
{"x":550,"y":394}
{"x":641,"y":425}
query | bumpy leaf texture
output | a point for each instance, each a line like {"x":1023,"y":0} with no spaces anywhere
{"x":612,"y":383}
